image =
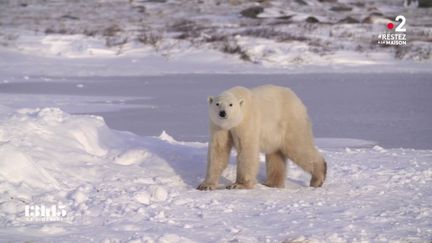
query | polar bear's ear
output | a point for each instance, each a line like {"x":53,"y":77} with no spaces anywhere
{"x":210,"y":99}
{"x":241,"y":102}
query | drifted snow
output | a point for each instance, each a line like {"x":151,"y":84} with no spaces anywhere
{"x":117,"y":186}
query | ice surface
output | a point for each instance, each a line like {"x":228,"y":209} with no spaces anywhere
{"x":390,"y":108}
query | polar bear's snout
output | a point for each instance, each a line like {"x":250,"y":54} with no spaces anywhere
{"x":223,"y":114}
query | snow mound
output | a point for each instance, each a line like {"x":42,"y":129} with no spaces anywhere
{"x":18,"y":167}
{"x":166,"y":137}
{"x":45,"y":150}
{"x":51,"y":128}
{"x":36,"y":144}
{"x":132,"y":156}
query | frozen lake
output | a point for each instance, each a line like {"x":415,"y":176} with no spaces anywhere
{"x":393,"y":109}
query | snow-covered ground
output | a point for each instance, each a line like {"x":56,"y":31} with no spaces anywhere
{"x":271,"y":34}
{"x":87,"y":89}
{"x":116,"y":186}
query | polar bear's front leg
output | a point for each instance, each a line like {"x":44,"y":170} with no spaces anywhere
{"x":217,"y":158}
{"x":247,"y":164}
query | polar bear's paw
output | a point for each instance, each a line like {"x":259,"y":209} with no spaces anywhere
{"x":206,"y":186}
{"x":275,"y":184}
{"x":319,"y":174}
{"x":239,"y":186}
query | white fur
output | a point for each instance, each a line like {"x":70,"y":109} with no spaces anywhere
{"x":225,"y":102}
{"x":268,"y":119}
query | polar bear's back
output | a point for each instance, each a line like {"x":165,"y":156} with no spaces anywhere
{"x":283,"y":117}
{"x":276,"y":100}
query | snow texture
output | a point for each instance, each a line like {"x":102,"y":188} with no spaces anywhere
{"x":117,"y":186}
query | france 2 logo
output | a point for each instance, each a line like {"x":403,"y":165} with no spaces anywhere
{"x":394,"y":39}
{"x":400,"y":27}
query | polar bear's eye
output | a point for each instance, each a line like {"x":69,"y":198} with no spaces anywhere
{"x":217,"y":104}
{"x":230,"y":104}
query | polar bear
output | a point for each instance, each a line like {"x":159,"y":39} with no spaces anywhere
{"x":268,"y":119}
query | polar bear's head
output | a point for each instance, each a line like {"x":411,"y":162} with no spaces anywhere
{"x":225,"y":110}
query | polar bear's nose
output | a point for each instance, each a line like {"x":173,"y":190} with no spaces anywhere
{"x":222,"y":114}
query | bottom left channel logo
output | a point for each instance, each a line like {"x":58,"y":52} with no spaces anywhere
{"x":41,"y":212}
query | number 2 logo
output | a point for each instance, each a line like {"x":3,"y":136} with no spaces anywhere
{"x":400,"y":27}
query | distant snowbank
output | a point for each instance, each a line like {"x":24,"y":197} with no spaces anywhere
{"x":216,"y":36}
{"x":20,"y":66}
{"x":116,"y":186}
{"x":136,"y":62}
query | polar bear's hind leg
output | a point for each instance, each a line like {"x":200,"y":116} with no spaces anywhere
{"x":311,"y":161}
{"x":319,"y":174}
{"x":276,"y":170}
